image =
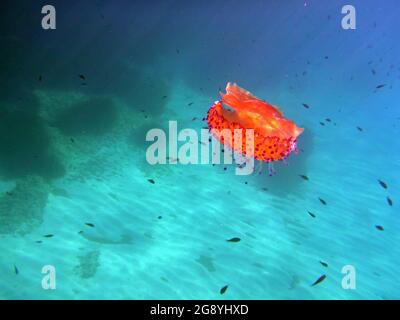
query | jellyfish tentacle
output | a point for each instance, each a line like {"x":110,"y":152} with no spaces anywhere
{"x":271,"y":170}
{"x":259,"y":167}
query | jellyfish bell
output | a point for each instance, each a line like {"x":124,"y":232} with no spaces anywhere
{"x":275,"y":137}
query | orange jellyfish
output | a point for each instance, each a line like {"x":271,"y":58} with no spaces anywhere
{"x":274,"y":136}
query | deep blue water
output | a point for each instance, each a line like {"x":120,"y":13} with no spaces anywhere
{"x":78,"y":194}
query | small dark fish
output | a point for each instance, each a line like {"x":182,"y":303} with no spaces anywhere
{"x":389,"y":201}
{"x":380,"y":228}
{"x":9,"y":193}
{"x":164,"y":97}
{"x":223,"y":289}
{"x":360,"y":129}
{"x":72,"y":140}
{"x":324,"y":264}
{"x":234,"y":240}
{"x":189,"y":104}
{"x":303,"y":176}
{"x":326,"y":57}
{"x":380,"y":86}
{"x":39,"y":241}
{"x":160,"y":217}
{"x":16,"y":269}
{"x":48,"y":236}
{"x":319,"y":280}
{"x":321,"y":123}
{"x":151,"y":181}
{"x":195,"y":118}
{"x":90,"y":224}
{"x":177,"y":51}
{"x":40,"y":78}
{"x":305,"y":105}
{"x":328,"y":120}
{"x":383,"y":184}
{"x":311,"y":214}
{"x":373,"y":71}
{"x":82,"y":77}
{"x":171,"y":160}
{"x":322,"y":201}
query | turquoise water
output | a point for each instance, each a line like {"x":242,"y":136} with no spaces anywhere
{"x":76,"y":104}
